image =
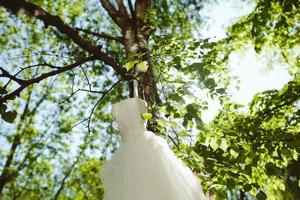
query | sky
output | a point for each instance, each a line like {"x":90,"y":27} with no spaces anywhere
{"x":254,"y":74}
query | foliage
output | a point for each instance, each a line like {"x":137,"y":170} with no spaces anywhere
{"x":57,"y":131}
{"x":253,"y":150}
{"x":273,"y":28}
{"x":271,"y":22}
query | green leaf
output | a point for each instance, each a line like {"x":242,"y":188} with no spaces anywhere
{"x":146,"y":116}
{"x":230,"y":183}
{"x":143,"y":66}
{"x":248,"y":169}
{"x":246,"y":146}
{"x":182,"y":133}
{"x":261,"y":196}
{"x":247,"y":187}
{"x":193,"y":110}
{"x":130,"y":64}
{"x":194,"y":67}
{"x":272,"y":169}
{"x":177,"y":60}
{"x":185,"y":122}
{"x":204,"y":141}
{"x":220,"y":90}
{"x":257,"y":186}
{"x":213,"y":143}
{"x":161,"y":123}
{"x":9,"y":116}
{"x":172,"y":123}
{"x":233,"y":153}
{"x":224,"y":144}
{"x":210,"y":83}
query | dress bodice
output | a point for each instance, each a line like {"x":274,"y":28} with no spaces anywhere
{"x":127,"y":114}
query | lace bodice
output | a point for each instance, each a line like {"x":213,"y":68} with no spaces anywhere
{"x":127,"y":114}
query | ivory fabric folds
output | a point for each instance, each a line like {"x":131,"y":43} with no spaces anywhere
{"x":144,"y":167}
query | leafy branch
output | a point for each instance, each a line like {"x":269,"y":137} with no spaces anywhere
{"x":25,"y":83}
{"x":52,"y":20}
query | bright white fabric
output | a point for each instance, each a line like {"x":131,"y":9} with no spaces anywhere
{"x":144,"y":167}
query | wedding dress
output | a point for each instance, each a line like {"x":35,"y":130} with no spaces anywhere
{"x":144,"y":167}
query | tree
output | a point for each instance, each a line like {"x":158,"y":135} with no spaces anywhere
{"x":257,"y":151}
{"x":64,"y":63}
{"x":248,"y":150}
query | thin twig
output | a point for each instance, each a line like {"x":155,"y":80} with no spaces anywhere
{"x":101,"y":35}
{"x":99,"y":100}
{"x":86,"y":77}
{"x":83,"y":90}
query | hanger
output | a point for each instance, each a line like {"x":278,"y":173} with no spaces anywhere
{"x":135,"y":89}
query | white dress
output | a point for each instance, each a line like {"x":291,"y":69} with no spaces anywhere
{"x":144,"y":167}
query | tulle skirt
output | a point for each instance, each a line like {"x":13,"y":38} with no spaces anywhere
{"x":144,"y":168}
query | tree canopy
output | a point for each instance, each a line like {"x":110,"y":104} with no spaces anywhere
{"x":64,"y":63}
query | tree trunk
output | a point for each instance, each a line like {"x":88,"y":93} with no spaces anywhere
{"x":136,"y":42}
{"x":135,"y":35}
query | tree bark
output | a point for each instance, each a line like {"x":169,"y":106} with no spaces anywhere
{"x":137,"y":43}
{"x":135,"y":35}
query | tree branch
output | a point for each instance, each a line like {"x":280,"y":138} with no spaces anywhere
{"x":121,"y":19}
{"x":141,"y":7}
{"x":20,"y":81}
{"x":131,"y":9}
{"x":101,"y":35}
{"x":26,"y":83}
{"x":121,"y":6}
{"x":86,"y":77}
{"x":67,"y":174}
{"x":52,"y":20}
{"x":112,"y":12}
{"x":122,"y":9}
{"x":83,"y":90}
{"x":89,"y":118}
{"x":11,"y":77}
